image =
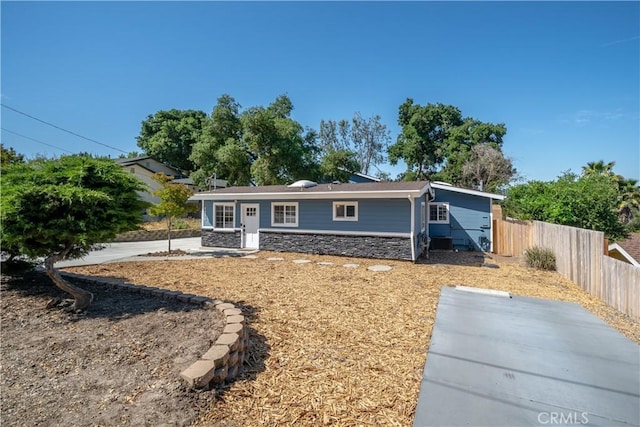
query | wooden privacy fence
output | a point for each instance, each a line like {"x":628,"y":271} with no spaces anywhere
{"x":579,"y":257}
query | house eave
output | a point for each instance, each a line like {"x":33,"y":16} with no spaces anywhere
{"x":625,"y":254}
{"x":467,"y":191}
{"x":302,"y":195}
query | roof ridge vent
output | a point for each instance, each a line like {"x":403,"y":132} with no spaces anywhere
{"x":303,"y":183}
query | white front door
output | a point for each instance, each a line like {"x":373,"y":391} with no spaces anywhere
{"x":250,"y":225}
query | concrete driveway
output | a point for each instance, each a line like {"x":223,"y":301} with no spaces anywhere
{"x":128,"y":251}
{"x":501,"y":361}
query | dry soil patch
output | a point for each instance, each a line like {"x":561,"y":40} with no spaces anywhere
{"x":116,"y":364}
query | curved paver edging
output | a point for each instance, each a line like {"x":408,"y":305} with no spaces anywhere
{"x":224,"y":360}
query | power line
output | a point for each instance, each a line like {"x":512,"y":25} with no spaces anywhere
{"x":35,"y":140}
{"x":62,"y":129}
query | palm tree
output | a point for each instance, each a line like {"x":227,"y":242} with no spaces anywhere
{"x":598,"y":168}
{"x":628,"y":203}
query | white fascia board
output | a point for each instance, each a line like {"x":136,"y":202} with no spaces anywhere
{"x":386,"y":194}
{"x":617,"y":247}
{"x":468,"y":191}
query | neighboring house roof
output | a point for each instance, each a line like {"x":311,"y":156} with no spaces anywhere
{"x":145,"y":162}
{"x":366,"y":190}
{"x":363,"y":177}
{"x":628,"y":249}
{"x":449,"y":187}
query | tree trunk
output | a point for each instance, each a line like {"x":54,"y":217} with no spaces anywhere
{"x":169,"y":235}
{"x":82,"y":298}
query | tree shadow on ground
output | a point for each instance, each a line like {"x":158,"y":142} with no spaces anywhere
{"x":109,"y":302}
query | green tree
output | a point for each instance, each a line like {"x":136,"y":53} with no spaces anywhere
{"x":169,"y":136}
{"x":436,"y":142}
{"x":61,"y":208}
{"x":9,"y":156}
{"x":599,"y":168}
{"x":221,"y":150}
{"x":338,"y":165}
{"x":628,"y":203}
{"x":173,"y":201}
{"x":367,"y":138}
{"x":586,"y":202}
{"x":280,"y":149}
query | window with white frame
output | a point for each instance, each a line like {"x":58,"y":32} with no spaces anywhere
{"x":345,"y":211}
{"x":423,"y":217}
{"x":223,"y":215}
{"x":439,"y":213}
{"x":284,"y":214}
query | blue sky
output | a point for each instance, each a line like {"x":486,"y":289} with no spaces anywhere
{"x":563,"y":76}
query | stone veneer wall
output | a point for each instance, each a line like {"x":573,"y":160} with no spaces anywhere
{"x":144,"y":235}
{"x":220,"y":239}
{"x":331,"y":244}
{"x":224,"y":360}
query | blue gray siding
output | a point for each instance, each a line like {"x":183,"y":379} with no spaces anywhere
{"x":469,"y":220}
{"x":374,"y":215}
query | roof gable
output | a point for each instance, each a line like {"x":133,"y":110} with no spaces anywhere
{"x":629,"y":248}
{"x":449,"y":187}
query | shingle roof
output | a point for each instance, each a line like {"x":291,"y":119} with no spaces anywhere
{"x":321,"y":188}
{"x":393,"y":189}
{"x":632,"y":246}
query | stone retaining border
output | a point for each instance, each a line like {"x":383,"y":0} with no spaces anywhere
{"x":224,"y":360}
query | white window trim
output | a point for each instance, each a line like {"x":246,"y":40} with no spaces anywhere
{"x":213,"y":218}
{"x":345,"y":218}
{"x":446,"y":221}
{"x":423,"y":216}
{"x":274,"y":204}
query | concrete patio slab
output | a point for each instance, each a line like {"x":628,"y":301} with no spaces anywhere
{"x":496,"y":361}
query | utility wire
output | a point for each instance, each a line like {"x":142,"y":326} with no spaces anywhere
{"x":35,"y":140}
{"x":62,"y":129}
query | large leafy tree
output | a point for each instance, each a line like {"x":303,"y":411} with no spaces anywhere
{"x":280,"y":149}
{"x":436,"y":142}
{"x":628,"y":202}
{"x":169,"y":136}
{"x":221,"y":151}
{"x":173,"y":203}
{"x":587,"y":201}
{"x":367,"y":138}
{"x":61,"y":208}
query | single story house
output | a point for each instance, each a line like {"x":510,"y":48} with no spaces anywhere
{"x":394,"y":220}
{"x":461,"y":218}
{"x":377,"y":220}
{"x":627,"y":250}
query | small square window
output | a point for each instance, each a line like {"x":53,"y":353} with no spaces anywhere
{"x":224,"y":215}
{"x":439,"y":213}
{"x":284,"y":214}
{"x":345,"y":211}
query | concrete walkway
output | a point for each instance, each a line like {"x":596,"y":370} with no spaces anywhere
{"x":500,"y":361}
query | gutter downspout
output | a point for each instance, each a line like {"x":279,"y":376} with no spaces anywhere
{"x":413,"y":222}
{"x":491,"y":225}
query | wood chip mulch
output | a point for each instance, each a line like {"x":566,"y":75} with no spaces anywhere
{"x":335,"y":345}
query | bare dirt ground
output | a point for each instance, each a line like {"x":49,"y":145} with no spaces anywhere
{"x":329,"y":344}
{"x":116,"y":364}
